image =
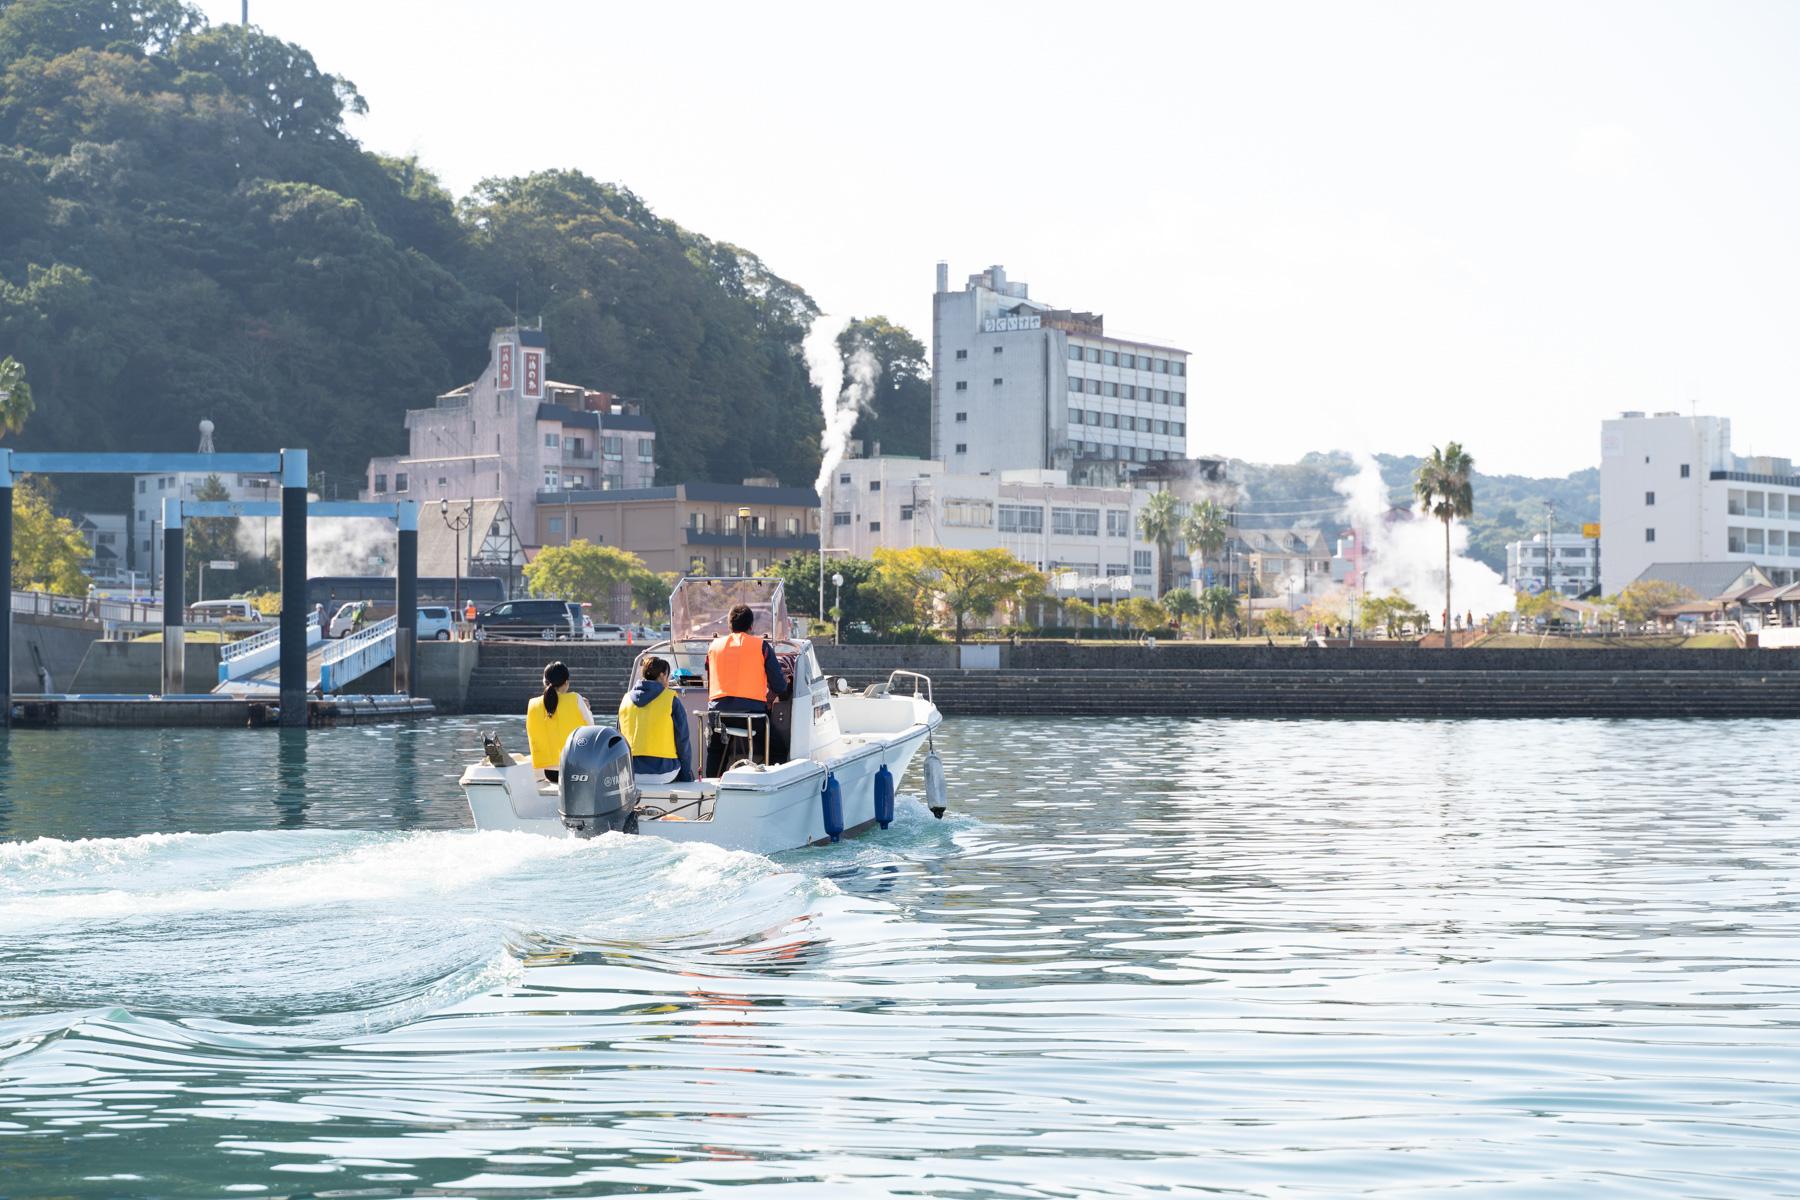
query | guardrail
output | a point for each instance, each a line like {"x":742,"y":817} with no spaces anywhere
{"x":250,"y":655}
{"x":357,"y":654}
{"x":50,"y":604}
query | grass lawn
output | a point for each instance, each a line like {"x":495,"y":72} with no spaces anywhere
{"x":1532,"y":641}
{"x":202,"y":636}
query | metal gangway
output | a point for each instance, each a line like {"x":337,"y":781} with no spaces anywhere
{"x":252,"y":666}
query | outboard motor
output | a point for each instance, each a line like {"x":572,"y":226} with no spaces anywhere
{"x":599,"y":789}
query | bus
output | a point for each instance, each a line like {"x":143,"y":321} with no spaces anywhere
{"x":335,"y":590}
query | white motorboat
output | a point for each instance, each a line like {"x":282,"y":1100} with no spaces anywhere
{"x":846,"y":752}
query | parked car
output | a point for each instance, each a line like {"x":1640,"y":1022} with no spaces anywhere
{"x":607,"y":633}
{"x":547,"y":619}
{"x":435,"y":623}
{"x":223,"y":610}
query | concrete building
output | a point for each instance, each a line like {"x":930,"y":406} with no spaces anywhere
{"x":144,"y":537}
{"x":688,"y":529}
{"x":1018,"y":384}
{"x":1574,"y":564}
{"x":1671,"y":490}
{"x":515,"y":432}
{"x":1037,"y":515}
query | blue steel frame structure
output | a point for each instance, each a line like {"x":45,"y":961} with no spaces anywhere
{"x":291,"y":467}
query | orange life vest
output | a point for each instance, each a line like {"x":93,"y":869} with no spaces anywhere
{"x":734,"y":667}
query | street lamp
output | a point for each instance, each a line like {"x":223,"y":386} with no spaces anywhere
{"x":456,"y":526}
{"x":837,"y":611}
{"x":744,"y":528}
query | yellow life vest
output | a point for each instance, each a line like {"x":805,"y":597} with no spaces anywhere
{"x":549,"y":732}
{"x":649,"y":730}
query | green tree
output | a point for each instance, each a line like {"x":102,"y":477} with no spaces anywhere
{"x":1443,"y":489}
{"x":15,"y":396}
{"x":650,"y":592}
{"x":1181,"y":604}
{"x":899,"y":414}
{"x":965,"y":583}
{"x":48,"y":551}
{"x":1542,"y":604}
{"x":1218,"y":608}
{"x":585,"y":572}
{"x":1160,"y":522}
{"x":1638,"y":601}
{"x":208,"y":540}
{"x":1205,"y":530}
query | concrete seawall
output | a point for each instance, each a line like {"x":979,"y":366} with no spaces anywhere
{"x":1239,"y":681}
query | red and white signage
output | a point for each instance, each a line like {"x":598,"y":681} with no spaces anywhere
{"x":503,"y":367}
{"x":534,"y":375}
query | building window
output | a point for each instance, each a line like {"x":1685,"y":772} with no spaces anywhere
{"x":1021,"y":518}
{"x":1093,"y":387}
{"x":1074,"y":353}
{"x":844,"y":477}
{"x":1118,"y":522}
{"x":1649,"y":535}
{"x":1753,"y":541}
{"x":1178,"y":368}
{"x":573,"y":481}
{"x":999,"y":349}
{"x":1109,"y":420}
{"x":400,"y":481}
{"x":962,"y":447}
{"x":962,"y":418}
{"x":1074,"y":384}
{"x":1112,"y":389}
{"x":974,"y":514}
{"x":1110,"y":358}
{"x":1075,"y":522}
{"x":998,"y":381}
{"x":1128,"y":392}
{"x":646,"y":450}
{"x":380,"y":483}
{"x":962,"y":354}
{"x":839,"y":519}
{"x":552,"y":479}
{"x":556,"y":525}
{"x":613,"y":447}
{"x":962,"y":385}
{"x":874,"y":526}
{"x":1093,"y":354}
{"x":874,"y":485}
{"x":1649,"y":498}
{"x":697,"y":522}
{"x":1093,"y":416}
{"x":1753,"y":503}
{"x":1684,"y":470}
{"x":906,"y":511}
{"x":1074,"y":416}
{"x":142,"y":483}
{"x":1734,"y":502}
{"x":552,"y":440}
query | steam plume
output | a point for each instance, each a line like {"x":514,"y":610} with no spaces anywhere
{"x":840,"y":402}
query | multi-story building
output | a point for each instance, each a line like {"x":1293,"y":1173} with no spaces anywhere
{"x":1574,"y":564}
{"x":690,"y":528}
{"x":515,"y":432}
{"x":143,"y":535}
{"x":1671,"y":491}
{"x":1037,"y":515}
{"x":1291,"y":563}
{"x":1017,"y":384}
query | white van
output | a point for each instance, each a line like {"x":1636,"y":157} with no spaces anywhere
{"x":222,"y":610}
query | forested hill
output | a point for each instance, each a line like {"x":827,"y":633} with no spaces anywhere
{"x":189,"y":232}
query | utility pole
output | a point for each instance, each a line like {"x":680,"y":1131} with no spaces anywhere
{"x":1549,"y":537}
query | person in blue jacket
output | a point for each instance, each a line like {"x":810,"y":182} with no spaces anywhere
{"x":655,"y":726}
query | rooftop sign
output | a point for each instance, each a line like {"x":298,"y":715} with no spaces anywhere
{"x":1010,"y":324}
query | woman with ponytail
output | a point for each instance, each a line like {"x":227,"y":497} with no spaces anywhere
{"x":552,"y":717}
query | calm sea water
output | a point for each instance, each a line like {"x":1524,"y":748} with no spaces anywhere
{"x":1142,"y":958}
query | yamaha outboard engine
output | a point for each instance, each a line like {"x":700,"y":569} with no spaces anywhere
{"x":599,"y":790}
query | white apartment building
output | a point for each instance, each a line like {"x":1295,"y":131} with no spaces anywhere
{"x":1037,"y":515}
{"x":1671,"y":491}
{"x":1574,"y":564}
{"x":515,"y":432}
{"x":143,"y":518}
{"x":1017,"y":384}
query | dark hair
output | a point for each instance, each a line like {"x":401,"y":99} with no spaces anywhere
{"x":555,"y":675}
{"x":654,"y":666}
{"x":742,"y":618}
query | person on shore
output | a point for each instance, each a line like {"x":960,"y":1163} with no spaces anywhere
{"x":743,"y":673}
{"x":552,"y":717}
{"x":469,"y":619}
{"x":655,"y":726}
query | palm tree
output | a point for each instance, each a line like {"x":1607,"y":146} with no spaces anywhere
{"x":1444,"y":491}
{"x":1160,"y":522}
{"x":15,"y":396}
{"x":1205,"y":530}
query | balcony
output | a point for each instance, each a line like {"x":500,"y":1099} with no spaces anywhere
{"x":579,"y":457}
{"x":767,"y":541}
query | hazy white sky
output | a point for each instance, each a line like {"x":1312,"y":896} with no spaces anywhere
{"x":1374,"y":225}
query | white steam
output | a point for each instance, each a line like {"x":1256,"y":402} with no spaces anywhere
{"x":840,"y":402}
{"x":1407,"y":555}
{"x":334,"y":545}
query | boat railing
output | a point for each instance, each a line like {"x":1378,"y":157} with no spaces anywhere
{"x":917,"y":679}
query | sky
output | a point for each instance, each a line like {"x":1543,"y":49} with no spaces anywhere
{"x":1375,"y":226}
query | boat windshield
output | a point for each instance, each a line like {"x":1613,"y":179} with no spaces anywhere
{"x":699,"y":609}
